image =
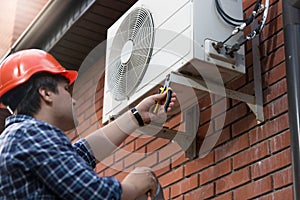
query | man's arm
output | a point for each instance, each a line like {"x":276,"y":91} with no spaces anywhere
{"x":105,"y":140}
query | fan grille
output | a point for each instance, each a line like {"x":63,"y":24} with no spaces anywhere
{"x":130,"y":53}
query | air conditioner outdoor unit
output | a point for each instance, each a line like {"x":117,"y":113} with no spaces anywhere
{"x":154,"y":38}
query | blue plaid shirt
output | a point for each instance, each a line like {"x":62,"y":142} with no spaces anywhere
{"x":37,"y":161}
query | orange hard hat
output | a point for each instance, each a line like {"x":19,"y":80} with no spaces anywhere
{"x":17,"y":68}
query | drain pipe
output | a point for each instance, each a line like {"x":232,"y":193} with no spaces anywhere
{"x":291,"y":19}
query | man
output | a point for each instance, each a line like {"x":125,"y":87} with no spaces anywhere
{"x":37,"y":161}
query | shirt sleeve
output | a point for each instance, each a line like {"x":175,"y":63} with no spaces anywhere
{"x":84,"y":150}
{"x":52,"y":158}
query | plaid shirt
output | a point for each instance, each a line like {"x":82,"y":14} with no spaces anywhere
{"x":37,"y":161}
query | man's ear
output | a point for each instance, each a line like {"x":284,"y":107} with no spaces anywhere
{"x":46,"y":94}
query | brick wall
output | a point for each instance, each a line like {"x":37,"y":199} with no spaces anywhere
{"x":249,"y":160}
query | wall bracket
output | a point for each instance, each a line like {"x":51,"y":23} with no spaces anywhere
{"x":186,"y":140}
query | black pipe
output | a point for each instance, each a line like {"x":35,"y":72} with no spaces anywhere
{"x":291,"y":19}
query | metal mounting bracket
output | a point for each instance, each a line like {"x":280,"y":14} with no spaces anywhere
{"x":186,"y":140}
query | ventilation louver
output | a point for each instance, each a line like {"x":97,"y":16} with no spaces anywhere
{"x":130,"y":53}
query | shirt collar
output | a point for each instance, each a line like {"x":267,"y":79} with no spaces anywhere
{"x":16,"y":119}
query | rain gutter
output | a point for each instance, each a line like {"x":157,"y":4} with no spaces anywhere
{"x":51,"y":24}
{"x":291,"y":19}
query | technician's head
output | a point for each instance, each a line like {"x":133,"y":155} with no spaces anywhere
{"x":31,"y":79}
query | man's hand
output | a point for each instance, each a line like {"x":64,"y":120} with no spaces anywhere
{"x":139,"y":182}
{"x":145,"y":107}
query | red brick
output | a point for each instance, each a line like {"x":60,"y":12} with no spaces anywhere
{"x":253,"y":189}
{"x":248,"y":5}
{"x":204,"y":192}
{"x":204,"y":102}
{"x":272,"y":43}
{"x":93,"y":127}
{"x":124,"y":151}
{"x":226,"y":196}
{"x":275,"y":74}
{"x":184,"y":186}
{"x":178,"y":160}
{"x":269,"y":129}
{"x":244,"y":124}
{"x":148,"y":161}
{"x":156,"y":144}
{"x":286,"y":193}
{"x":167,"y":193}
{"x":82,"y":107}
{"x":224,"y":137}
{"x":80,"y":89}
{"x":142,"y":141}
{"x":171,"y":177}
{"x":280,"y":142}
{"x":266,"y":197}
{"x":98,"y":104}
{"x":199,"y":164}
{"x":168,"y":151}
{"x":271,"y":164}
{"x":273,"y":27}
{"x":162,"y":168}
{"x":248,"y":88}
{"x":214,"y":172}
{"x":233,"y":180}
{"x":109,"y":160}
{"x":232,"y":147}
{"x":219,"y":107}
{"x":179,"y":198}
{"x":114,"y":169}
{"x":232,"y":115}
{"x":283,"y":178}
{"x":249,"y":59}
{"x":120,"y":176}
{"x":174,"y":121}
{"x":134,"y":157}
{"x":253,"y":154}
{"x":100,"y":167}
{"x":120,"y":154}
{"x":72,"y":135}
{"x":205,"y":130}
{"x":275,"y":90}
{"x":130,"y":138}
{"x":99,"y":114}
{"x":276,"y":107}
{"x":208,"y":144}
{"x":205,"y":115}
{"x":238,"y":83}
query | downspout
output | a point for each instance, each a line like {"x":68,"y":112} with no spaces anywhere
{"x":291,"y":19}
{"x":51,"y":24}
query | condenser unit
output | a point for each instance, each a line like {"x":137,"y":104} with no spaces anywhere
{"x":154,"y":38}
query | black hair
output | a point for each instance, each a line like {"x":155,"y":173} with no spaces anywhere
{"x":25,"y":99}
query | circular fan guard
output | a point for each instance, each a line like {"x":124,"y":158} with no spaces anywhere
{"x":130,"y":53}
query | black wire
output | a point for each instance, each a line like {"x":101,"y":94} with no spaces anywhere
{"x":225,"y":14}
{"x":230,"y":20}
{"x":219,"y":9}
